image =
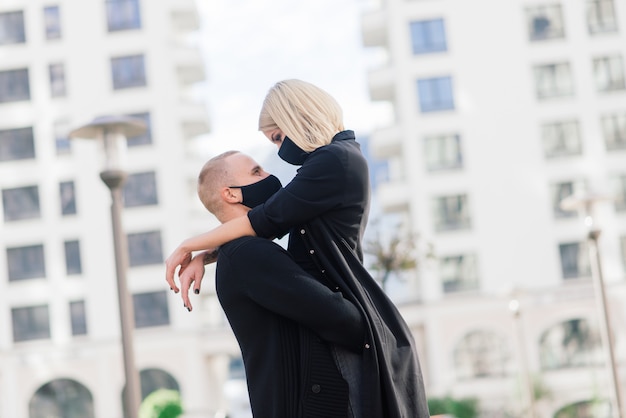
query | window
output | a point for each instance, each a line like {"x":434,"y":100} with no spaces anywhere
{"x":614,"y":131}
{"x":458,"y":273}
{"x":61,"y":138}
{"x":155,"y":379}
{"x":144,"y":248}
{"x":435,"y":94}
{"x":553,"y":80}
{"x":12,"y":28}
{"x":443,"y":152}
{"x":481,"y":354}
{"x":620,"y":193}
{"x":545,"y":22}
{"x":140,"y":189}
{"x":574,"y":260}
{"x":21,"y":203}
{"x":451,"y":213}
{"x":596,"y":408}
{"x":623,"y":245}
{"x":62,"y":398}
{"x":68,"y":198}
{"x":601,"y":16}
{"x":52,"y":22}
{"x":14,"y":85}
{"x":30,"y":323}
{"x":609,"y":73}
{"x":572,"y":343}
{"x":26,"y":262}
{"x":57,"y":80}
{"x":123,"y":15}
{"x":560,"y":191}
{"x":128,"y":72}
{"x":17,"y":144}
{"x":151,"y":309}
{"x":561,"y":139}
{"x":146,"y":137}
{"x":72,"y":258}
{"x":78,"y":317}
{"x":428,"y":36}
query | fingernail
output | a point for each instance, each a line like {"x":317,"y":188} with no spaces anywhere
{"x":196,"y":291}
{"x":171,"y":288}
{"x":189,"y":309}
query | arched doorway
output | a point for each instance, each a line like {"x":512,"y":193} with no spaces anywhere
{"x":61,"y":398}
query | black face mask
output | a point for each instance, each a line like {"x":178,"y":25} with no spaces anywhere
{"x":256,"y":194}
{"x":292,"y":153}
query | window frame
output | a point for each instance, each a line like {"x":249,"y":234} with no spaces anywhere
{"x":428,"y":36}
{"x":435,"y":94}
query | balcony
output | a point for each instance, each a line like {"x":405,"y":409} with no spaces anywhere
{"x":393,"y":196}
{"x":386,"y":142}
{"x":374,"y":28}
{"x":189,"y":66}
{"x":381,"y":83}
{"x":184,"y":21}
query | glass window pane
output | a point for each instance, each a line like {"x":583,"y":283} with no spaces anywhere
{"x":560,"y":191}
{"x":428,"y":36}
{"x":78,"y":317}
{"x":14,"y":85}
{"x":21,"y":203}
{"x":601,"y":16}
{"x":26,"y":262}
{"x":30,"y":323}
{"x":17,"y":144}
{"x":458,"y":273}
{"x":12,"y":28}
{"x":145,"y":248}
{"x":572,"y":343}
{"x":553,"y":80}
{"x":609,"y":73}
{"x":52,"y":22}
{"x":574,"y":260}
{"x":145,"y":138}
{"x":443,"y":152}
{"x":545,"y":22}
{"x":62,"y":398}
{"x":155,"y":379}
{"x":128,"y":72}
{"x":151,"y":309}
{"x":140,"y":189}
{"x":123,"y":15}
{"x":451,"y":213}
{"x":620,"y":193}
{"x":435,"y":94}
{"x":67,"y":196}
{"x":62,"y":142}
{"x":72,"y":258}
{"x":57,"y":80}
{"x":481,"y":354}
{"x":561,"y":139}
{"x":614,"y":131}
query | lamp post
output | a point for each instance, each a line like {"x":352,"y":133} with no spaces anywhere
{"x":585,"y":204}
{"x":112,"y":132}
{"x":514,"y":307}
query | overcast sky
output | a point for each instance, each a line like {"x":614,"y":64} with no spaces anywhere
{"x":251,"y":44}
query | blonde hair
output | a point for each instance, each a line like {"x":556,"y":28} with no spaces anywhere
{"x":308,"y":115}
{"x":214,"y":175}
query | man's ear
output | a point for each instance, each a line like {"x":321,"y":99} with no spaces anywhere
{"x":231,"y":195}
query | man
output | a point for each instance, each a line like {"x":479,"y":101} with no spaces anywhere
{"x":285,"y":321}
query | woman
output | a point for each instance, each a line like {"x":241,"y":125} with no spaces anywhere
{"x":324,"y":209}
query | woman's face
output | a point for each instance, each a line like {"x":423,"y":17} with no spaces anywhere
{"x":275,"y":136}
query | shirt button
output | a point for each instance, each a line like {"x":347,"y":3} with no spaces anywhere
{"x":302,"y":231}
{"x":367,"y":346}
{"x":316,"y":388}
{"x":311,"y":251}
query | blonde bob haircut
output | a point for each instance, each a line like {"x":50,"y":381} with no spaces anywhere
{"x":308,"y":115}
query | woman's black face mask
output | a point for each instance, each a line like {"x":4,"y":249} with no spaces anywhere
{"x":256,"y":194}
{"x":292,"y":153}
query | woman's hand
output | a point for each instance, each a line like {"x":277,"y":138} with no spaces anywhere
{"x":180,"y":257}
{"x":192,"y":273}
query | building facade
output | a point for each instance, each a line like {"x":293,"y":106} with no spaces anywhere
{"x":63,"y":63}
{"x":503,"y":109}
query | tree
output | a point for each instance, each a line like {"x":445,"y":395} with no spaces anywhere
{"x":393,"y":252}
{"x":162,"y":403}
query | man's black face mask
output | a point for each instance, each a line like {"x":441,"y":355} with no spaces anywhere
{"x":256,"y":194}
{"x":292,"y":153}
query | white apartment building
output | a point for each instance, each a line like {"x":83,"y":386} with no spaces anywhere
{"x":502,"y":109}
{"x":62,"y":63}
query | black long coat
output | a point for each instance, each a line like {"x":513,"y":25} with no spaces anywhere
{"x":325,"y":209}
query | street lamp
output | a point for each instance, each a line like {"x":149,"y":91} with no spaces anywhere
{"x":112,"y":132}
{"x":514,"y":307}
{"x":584,"y":204}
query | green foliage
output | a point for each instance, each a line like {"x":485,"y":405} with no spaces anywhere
{"x":458,"y":408}
{"x":162,"y":403}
